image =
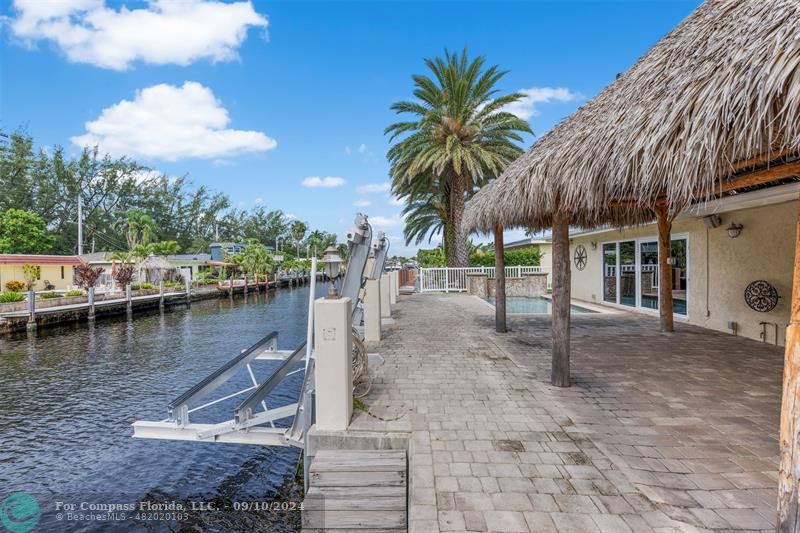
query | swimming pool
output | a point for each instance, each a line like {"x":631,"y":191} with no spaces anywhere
{"x":521,"y":304}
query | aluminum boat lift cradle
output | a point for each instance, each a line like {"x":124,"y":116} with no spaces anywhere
{"x":253,"y":420}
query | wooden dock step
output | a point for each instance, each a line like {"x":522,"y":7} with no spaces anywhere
{"x":364,"y":490}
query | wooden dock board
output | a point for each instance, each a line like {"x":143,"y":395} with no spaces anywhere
{"x":359,"y":490}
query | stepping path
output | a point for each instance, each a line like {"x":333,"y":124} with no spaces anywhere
{"x":494,"y":447}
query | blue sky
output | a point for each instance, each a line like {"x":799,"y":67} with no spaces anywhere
{"x":255,"y":98}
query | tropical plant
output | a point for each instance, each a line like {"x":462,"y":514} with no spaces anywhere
{"x":31,"y":273}
{"x":139,"y":227}
{"x":48,"y":295}
{"x":425,"y":216}
{"x":254,"y":259}
{"x":164,"y":248}
{"x":11,"y":297}
{"x":298,"y":231}
{"x":460,"y":135}
{"x":142,"y":286}
{"x":75,"y":292}
{"x":87,"y":276}
{"x":15,"y":285}
{"x":124,"y":275}
{"x":431,"y":258}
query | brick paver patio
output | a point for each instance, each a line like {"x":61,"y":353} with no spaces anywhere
{"x":658,"y":433}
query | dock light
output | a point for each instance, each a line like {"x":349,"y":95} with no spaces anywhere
{"x":734,"y":230}
{"x":332,"y":262}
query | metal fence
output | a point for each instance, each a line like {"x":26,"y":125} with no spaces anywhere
{"x":446,"y":279}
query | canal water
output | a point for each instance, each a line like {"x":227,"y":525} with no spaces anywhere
{"x":68,"y":397}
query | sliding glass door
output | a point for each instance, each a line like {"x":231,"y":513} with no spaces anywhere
{"x":648,"y":274}
{"x":631,"y":273}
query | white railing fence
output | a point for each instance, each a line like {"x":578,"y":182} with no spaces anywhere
{"x":446,"y":279}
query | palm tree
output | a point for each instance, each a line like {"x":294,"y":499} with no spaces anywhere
{"x":139,"y":227}
{"x":298,"y":231}
{"x":425,"y":216}
{"x":460,"y":134}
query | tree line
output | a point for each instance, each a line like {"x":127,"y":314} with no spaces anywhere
{"x":124,"y":204}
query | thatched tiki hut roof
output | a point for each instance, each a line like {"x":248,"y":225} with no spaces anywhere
{"x":713,"y":108}
{"x":717,"y":96}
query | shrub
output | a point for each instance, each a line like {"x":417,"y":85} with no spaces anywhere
{"x":87,"y":275}
{"x":124,"y":275}
{"x":75,"y":292}
{"x":142,"y":286}
{"x":48,"y":295}
{"x":11,"y":296}
{"x":15,"y":286}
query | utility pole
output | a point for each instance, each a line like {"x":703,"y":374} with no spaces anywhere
{"x":80,"y":225}
{"x":216,"y":231}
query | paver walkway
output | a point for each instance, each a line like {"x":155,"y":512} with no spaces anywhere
{"x":658,"y":433}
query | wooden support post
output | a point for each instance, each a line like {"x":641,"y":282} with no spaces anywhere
{"x":789,"y":474}
{"x":500,"y":281}
{"x":664,"y":267}
{"x":561,"y":300}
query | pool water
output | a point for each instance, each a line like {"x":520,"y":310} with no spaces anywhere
{"x":520,"y":304}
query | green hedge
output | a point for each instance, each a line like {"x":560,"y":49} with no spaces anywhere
{"x":142,"y":286}
{"x":522,"y":257}
{"x":75,"y":292}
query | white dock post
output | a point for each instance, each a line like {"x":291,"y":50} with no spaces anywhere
{"x":372,"y":311}
{"x":333,"y":348}
{"x":161,"y":293}
{"x":386,"y":306}
{"x":396,"y":274}
{"x":129,"y":297}
{"x":91,"y":303}
{"x":31,"y":310}
{"x":393,"y":287}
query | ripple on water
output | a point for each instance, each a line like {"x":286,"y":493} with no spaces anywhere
{"x":68,"y":396}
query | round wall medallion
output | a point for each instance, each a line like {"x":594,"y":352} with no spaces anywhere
{"x":580,"y":257}
{"x":761,"y":296}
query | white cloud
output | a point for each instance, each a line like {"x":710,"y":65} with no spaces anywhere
{"x":385,"y":222}
{"x":171,"y":123}
{"x":374,"y":187}
{"x":362,"y":202}
{"x":362,"y":148}
{"x":347,"y":150}
{"x":526,"y":108}
{"x":396,"y":201}
{"x":163,"y":32}
{"x":327,"y":182}
{"x":258,"y":201}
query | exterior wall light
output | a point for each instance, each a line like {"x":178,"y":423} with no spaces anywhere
{"x":594,"y":245}
{"x":333,"y":263}
{"x":734,"y":230}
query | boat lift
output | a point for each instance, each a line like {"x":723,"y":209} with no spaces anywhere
{"x":253,"y":420}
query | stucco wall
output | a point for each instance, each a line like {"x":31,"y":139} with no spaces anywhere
{"x":764,"y":250}
{"x":51,"y":273}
